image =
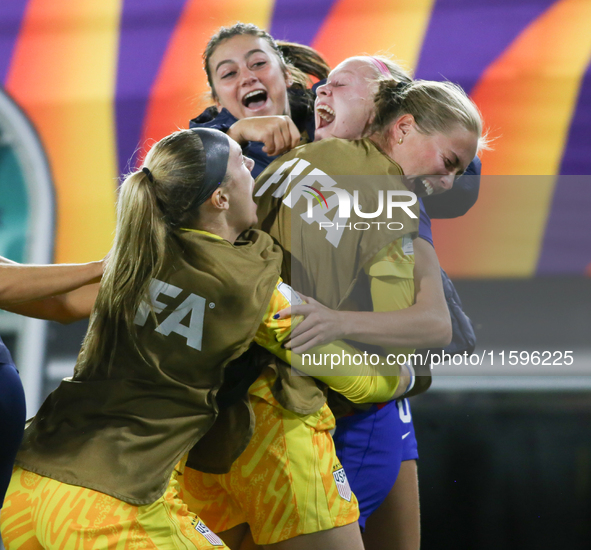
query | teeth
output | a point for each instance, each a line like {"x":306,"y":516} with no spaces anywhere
{"x":325,"y":112}
{"x":250,"y":94}
{"x":428,"y":186}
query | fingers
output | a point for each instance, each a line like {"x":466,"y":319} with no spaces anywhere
{"x":306,"y":346}
{"x":281,"y":135}
{"x":305,"y":334}
{"x":292,"y":136}
{"x":283,"y":313}
{"x":278,"y":133}
{"x":270,"y":140}
{"x":294,"y":311}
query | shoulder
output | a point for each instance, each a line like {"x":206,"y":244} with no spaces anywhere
{"x":211,"y":118}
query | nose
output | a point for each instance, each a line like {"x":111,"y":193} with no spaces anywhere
{"x":248,"y":77}
{"x":447,"y":182}
{"x":323,"y":90}
{"x":249,"y":163}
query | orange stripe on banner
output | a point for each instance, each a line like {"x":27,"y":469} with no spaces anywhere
{"x":527,"y":98}
{"x":392,"y":27}
{"x":63,"y":75}
{"x":180,"y":91}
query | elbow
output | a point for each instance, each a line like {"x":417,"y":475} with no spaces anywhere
{"x":66,"y":320}
{"x":441,"y":332}
{"x":446,"y":334}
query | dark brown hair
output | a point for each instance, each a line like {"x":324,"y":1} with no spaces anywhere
{"x":299,"y":61}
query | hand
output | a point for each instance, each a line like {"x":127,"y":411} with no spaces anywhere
{"x":278,"y":133}
{"x":321,"y":325}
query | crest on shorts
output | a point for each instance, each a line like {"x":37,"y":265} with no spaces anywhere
{"x":343,"y":487}
{"x":212,"y":538}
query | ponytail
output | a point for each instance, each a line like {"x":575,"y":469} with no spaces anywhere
{"x":303,"y":62}
{"x":136,"y":257}
{"x":151,"y":204}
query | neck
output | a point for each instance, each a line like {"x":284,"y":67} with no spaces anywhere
{"x":218,"y":227}
{"x":384,"y":145}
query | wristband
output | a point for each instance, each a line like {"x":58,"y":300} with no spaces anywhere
{"x":411,"y":384}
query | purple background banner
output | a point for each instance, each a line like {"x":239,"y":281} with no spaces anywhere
{"x":475,"y":33}
{"x":146,"y":27}
{"x":299,"y":21}
{"x":11,"y":17}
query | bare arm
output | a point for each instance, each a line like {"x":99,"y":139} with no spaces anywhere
{"x":425,"y":324}
{"x":65,"y":308}
{"x":23,"y":283}
{"x":422,"y":325}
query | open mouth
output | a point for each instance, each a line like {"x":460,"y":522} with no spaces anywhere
{"x":422,"y":186}
{"x":427,"y":185}
{"x":326,"y":115}
{"x":255,"y":100}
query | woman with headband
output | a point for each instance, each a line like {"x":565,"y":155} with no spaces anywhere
{"x":98,"y":461}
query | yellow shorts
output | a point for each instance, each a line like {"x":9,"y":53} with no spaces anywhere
{"x":287,"y":482}
{"x":40,"y":512}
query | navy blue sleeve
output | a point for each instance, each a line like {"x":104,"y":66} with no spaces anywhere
{"x":425,"y":225}
{"x":222,"y":121}
{"x":210,"y":118}
{"x":460,"y":198}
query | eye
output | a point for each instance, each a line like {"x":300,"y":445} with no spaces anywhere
{"x":228,"y":74}
{"x":259,"y":64}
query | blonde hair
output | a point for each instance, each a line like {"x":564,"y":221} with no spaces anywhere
{"x":397,"y":72}
{"x":437,"y":107}
{"x":150,"y":205}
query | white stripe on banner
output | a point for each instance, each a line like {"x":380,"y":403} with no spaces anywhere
{"x":343,"y":487}
{"x":208,"y":534}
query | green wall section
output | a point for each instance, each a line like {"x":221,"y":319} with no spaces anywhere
{"x":14,"y":206}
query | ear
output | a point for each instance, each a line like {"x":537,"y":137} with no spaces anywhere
{"x":402,"y":127}
{"x":288,"y":78}
{"x":220,"y":199}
